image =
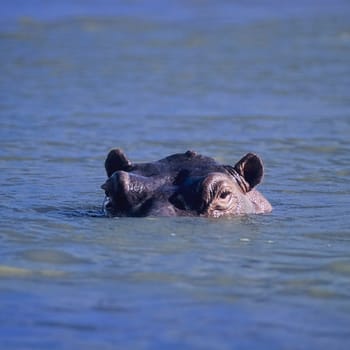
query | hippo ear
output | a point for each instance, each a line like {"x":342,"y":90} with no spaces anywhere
{"x":251,"y":168}
{"x":116,"y":160}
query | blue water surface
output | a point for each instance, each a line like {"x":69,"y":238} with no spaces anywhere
{"x":158,"y":77}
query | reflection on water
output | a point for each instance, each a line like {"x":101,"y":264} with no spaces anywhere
{"x":223,"y":80}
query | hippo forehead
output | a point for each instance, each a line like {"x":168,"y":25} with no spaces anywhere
{"x":195,"y":165}
{"x":180,"y":184}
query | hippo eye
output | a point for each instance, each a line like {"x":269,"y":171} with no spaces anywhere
{"x":224,"y":194}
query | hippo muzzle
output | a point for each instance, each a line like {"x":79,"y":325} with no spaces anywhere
{"x":185,"y":184}
{"x":129,"y":194}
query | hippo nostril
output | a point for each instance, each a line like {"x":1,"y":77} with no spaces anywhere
{"x":106,"y":187}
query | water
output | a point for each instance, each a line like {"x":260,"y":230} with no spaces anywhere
{"x":221,"y":78}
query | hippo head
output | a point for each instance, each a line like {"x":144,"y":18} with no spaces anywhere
{"x":186,"y":184}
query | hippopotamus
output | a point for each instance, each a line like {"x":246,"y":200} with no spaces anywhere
{"x":183,"y":184}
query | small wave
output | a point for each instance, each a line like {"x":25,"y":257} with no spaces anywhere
{"x":94,"y":212}
{"x":12,"y":271}
{"x":51,"y":256}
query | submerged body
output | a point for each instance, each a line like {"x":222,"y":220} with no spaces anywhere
{"x":184,"y":184}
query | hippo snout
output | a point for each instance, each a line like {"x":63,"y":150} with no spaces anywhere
{"x":116,"y":190}
{"x":130,"y":194}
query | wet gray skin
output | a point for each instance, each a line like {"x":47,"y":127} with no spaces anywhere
{"x":184,"y":184}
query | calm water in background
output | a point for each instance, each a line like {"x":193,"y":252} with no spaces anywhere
{"x":222,"y":78}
